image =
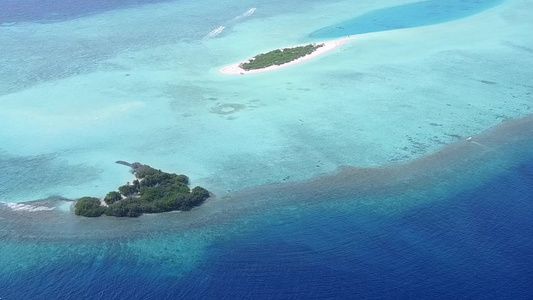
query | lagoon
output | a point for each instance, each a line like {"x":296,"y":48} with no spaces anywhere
{"x":410,"y":15}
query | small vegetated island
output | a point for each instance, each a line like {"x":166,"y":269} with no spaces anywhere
{"x":279,"y":57}
{"x":153,"y":191}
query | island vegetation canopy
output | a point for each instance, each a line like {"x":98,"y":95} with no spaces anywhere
{"x":279,"y":57}
{"x":153,"y":191}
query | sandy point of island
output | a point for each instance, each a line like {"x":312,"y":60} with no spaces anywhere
{"x":328,"y":46}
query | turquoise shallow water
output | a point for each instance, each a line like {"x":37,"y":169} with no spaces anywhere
{"x":288,"y":220}
{"x":154,"y":94}
{"x":410,"y":15}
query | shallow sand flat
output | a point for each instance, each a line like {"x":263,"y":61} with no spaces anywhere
{"x":327,"y":47}
{"x":384,"y":97}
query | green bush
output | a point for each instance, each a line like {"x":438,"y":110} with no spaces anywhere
{"x":124,"y":208}
{"x":182,"y":178}
{"x":112,"y":197}
{"x":128,"y":190}
{"x":144,"y":171}
{"x":89,"y":207}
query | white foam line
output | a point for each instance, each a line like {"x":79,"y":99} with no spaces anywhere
{"x":214,"y":33}
{"x":469,"y":139}
{"x":26,"y":207}
{"x":219,"y":30}
{"x":245,"y":14}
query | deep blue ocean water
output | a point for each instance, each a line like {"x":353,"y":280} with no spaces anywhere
{"x":406,"y":16}
{"x":50,"y":10}
{"x":474,"y":245}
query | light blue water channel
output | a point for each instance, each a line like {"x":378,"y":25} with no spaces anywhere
{"x":407,"y":16}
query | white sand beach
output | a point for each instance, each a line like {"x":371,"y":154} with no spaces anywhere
{"x":328,"y":46}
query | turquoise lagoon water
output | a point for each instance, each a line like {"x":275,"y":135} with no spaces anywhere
{"x":407,"y":16}
{"x":80,"y":94}
{"x":93,"y":84}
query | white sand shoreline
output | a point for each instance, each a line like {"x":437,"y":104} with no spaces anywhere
{"x":327,"y":47}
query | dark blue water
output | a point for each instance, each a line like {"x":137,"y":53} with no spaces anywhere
{"x":476,"y":245}
{"x":407,"y":16}
{"x":53,"y":10}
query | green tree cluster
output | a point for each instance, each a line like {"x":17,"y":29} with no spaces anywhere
{"x":153,"y":191}
{"x":279,"y":57}
{"x":89,"y":207}
{"x":112,"y":197}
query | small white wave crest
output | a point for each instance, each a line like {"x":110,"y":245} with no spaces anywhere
{"x":214,"y":33}
{"x":245,"y":14}
{"x":219,"y":30}
{"x":26,"y":207}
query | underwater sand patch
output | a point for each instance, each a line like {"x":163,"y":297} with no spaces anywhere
{"x":226,"y":109}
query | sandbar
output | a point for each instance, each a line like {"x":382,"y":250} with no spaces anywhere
{"x":328,"y":46}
